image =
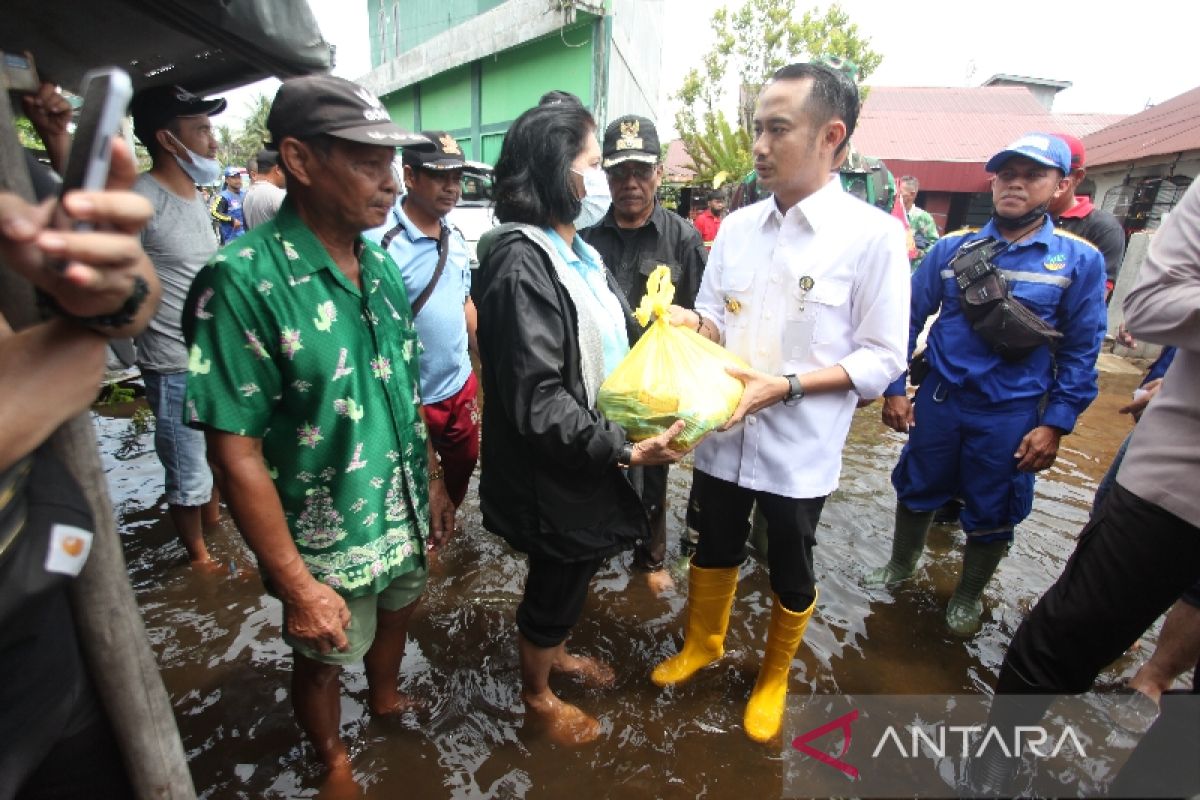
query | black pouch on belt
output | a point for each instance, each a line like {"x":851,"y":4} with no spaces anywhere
{"x":1011,"y":330}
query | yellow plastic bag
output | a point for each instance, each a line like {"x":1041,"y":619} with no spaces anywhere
{"x":671,"y":373}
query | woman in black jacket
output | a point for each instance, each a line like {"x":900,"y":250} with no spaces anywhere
{"x":552,"y":325}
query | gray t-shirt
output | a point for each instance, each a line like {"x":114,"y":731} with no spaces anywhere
{"x":179,"y":240}
{"x":261,"y":203}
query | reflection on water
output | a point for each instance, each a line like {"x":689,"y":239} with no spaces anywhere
{"x":217,"y":642}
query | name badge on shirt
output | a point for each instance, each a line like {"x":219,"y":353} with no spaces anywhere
{"x":806,"y":285}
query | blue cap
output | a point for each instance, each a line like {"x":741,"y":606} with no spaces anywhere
{"x":233,"y":172}
{"x":1040,"y":147}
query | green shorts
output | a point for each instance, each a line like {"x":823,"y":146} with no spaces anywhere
{"x":400,"y":593}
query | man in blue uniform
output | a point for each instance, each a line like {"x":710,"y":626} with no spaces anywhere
{"x":227,"y":207}
{"x":1011,"y":365}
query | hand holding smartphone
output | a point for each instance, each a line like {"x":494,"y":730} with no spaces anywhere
{"x":106,"y":95}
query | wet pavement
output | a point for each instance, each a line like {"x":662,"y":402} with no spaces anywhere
{"x":217,"y":642}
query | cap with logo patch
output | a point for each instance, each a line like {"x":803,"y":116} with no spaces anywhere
{"x":446,"y":153}
{"x":313,"y":105}
{"x":153,"y":109}
{"x":631,"y":138}
{"x":1043,"y":148}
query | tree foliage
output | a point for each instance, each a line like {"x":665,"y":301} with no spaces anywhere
{"x":753,"y":41}
{"x":235,"y":149}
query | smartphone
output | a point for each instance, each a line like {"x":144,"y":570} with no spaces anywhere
{"x":106,"y":94}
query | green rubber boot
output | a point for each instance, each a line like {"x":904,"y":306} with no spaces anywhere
{"x":908,"y":542}
{"x":965,"y":608}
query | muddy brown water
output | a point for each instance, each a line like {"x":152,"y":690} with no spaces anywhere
{"x":226,"y":668}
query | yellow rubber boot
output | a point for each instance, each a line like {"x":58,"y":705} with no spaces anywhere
{"x":710,"y":596}
{"x":764,"y":712}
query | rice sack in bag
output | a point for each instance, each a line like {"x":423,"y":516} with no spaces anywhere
{"x":671,"y":373}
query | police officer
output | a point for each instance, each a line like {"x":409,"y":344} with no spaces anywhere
{"x":992,"y":409}
{"x":635,"y":236}
{"x":227,"y":207}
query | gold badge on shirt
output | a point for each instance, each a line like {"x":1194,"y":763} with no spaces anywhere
{"x":732,"y":305}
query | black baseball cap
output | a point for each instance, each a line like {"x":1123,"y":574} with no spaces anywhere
{"x":313,"y":105}
{"x":153,"y":109}
{"x":631,"y":138}
{"x":266,"y":159}
{"x":446,"y":154}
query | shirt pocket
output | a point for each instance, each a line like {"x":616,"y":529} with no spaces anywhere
{"x":648,"y":265}
{"x":1040,"y":298}
{"x":737,"y":281}
{"x":814,"y":317}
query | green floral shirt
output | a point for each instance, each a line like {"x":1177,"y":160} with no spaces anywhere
{"x":924,"y":231}
{"x":284,"y":348}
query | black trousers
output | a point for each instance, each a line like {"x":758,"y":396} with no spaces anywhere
{"x":555,"y":592}
{"x":1133,"y":561}
{"x":651,"y":485}
{"x":720,"y":512}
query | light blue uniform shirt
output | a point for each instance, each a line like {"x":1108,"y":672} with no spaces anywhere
{"x":606,"y":308}
{"x":445,"y":363}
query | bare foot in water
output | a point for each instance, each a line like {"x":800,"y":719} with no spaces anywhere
{"x":564,"y":723}
{"x":339,"y":784}
{"x":394,"y":704}
{"x":660,"y":581}
{"x":209,"y":566}
{"x":592,"y":672}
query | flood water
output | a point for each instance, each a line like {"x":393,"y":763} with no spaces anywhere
{"x":226,"y":668}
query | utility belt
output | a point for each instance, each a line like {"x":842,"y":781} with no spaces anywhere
{"x":1011,"y":330}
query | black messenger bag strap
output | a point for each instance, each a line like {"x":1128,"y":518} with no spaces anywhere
{"x":443,"y":252}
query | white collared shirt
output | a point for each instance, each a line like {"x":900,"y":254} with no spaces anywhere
{"x":853,"y":258}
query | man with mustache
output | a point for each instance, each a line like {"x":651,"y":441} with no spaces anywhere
{"x":303,"y":375}
{"x":636,"y":235}
{"x":810,"y":286}
{"x":436,"y":269}
{"x":987,"y":416}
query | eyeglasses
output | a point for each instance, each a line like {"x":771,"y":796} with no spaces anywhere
{"x":623,"y":172}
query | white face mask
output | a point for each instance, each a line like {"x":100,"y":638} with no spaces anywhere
{"x":203,"y":171}
{"x":596,"y":198}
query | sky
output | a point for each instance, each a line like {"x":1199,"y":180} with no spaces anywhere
{"x":1119,"y":58}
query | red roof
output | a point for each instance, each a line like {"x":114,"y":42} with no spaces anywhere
{"x":944,"y":123}
{"x":944,"y":135}
{"x":1169,"y":127}
{"x":678,"y":164}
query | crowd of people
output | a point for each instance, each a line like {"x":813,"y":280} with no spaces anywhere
{"x":318,"y":370}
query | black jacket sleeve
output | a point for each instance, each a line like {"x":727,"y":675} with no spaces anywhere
{"x":692,"y":258}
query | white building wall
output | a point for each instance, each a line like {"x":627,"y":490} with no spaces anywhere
{"x":634,"y":60}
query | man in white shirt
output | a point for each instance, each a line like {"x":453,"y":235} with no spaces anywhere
{"x":811,"y":287}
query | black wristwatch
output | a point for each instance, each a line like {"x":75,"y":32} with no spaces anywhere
{"x":795,"y":391}
{"x":625,"y":455}
{"x":117,"y":319}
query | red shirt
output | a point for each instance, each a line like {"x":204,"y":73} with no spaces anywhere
{"x":708,"y":224}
